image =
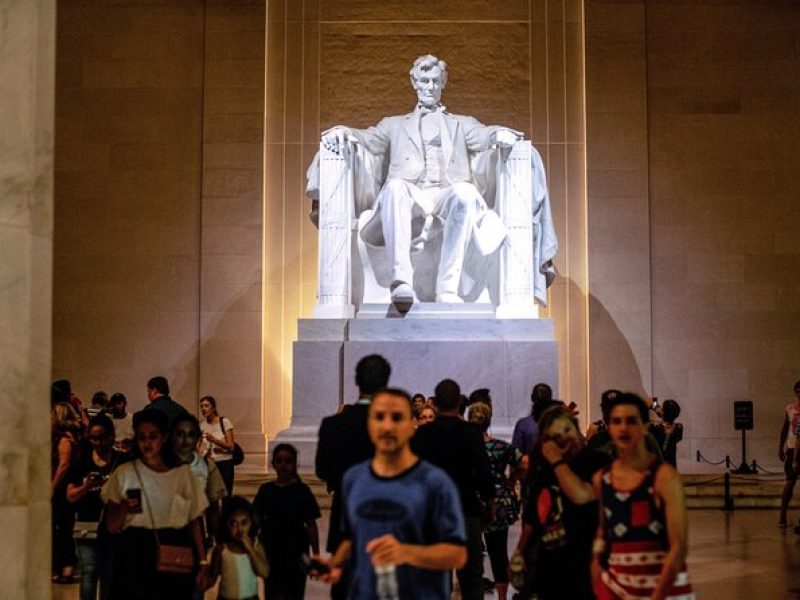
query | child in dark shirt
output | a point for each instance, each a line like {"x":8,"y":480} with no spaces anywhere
{"x":286,"y":512}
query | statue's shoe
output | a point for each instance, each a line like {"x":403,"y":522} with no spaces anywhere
{"x":403,"y":294}
{"x":449,"y":298}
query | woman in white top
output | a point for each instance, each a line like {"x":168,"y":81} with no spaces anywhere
{"x":152,"y":503}
{"x":218,"y":439}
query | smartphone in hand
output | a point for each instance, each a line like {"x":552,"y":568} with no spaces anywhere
{"x":312,"y":565}
{"x":134,"y":497}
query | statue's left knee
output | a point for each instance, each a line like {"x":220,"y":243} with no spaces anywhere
{"x":464,"y":190}
{"x":464,"y":196}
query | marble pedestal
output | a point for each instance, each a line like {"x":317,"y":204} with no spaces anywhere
{"x":507,"y":356}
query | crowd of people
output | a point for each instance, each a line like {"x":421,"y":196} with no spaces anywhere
{"x":143,"y":504}
{"x":420,"y":491}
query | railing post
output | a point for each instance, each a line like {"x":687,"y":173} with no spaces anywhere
{"x":728,"y":500}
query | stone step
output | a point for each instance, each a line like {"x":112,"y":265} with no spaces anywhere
{"x":703,"y":491}
{"x":247,"y":484}
{"x":747,"y":491}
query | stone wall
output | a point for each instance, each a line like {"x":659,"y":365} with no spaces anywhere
{"x":724,"y":123}
{"x":692,"y":130}
{"x":159,"y":201}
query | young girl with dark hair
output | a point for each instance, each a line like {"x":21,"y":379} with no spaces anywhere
{"x":286,"y":512}
{"x":238,"y":560}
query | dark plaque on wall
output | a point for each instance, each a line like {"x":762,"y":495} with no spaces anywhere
{"x":743,"y":415}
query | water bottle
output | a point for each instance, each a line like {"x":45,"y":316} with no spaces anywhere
{"x":386,"y":582}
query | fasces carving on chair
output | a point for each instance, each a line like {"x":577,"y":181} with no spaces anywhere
{"x":445,"y":209}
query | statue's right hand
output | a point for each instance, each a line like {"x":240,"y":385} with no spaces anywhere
{"x":337,"y":139}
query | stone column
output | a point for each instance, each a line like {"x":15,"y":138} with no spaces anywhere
{"x":335,"y":235}
{"x":515,"y":294}
{"x":27,"y":61}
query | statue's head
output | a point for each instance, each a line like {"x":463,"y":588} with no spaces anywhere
{"x":428,"y":77}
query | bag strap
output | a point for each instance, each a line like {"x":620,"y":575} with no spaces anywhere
{"x":224,"y":431}
{"x":149,"y":510}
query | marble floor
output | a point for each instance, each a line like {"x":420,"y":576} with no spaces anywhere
{"x":738,"y":555}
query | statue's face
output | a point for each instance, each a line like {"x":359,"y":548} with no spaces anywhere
{"x":428,"y":85}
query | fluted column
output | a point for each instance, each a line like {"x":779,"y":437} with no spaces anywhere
{"x":27,"y":60}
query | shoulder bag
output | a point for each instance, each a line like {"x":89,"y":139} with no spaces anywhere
{"x":237,"y":456}
{"x":169,"y":559}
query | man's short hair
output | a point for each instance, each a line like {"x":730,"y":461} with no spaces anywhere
{"x":159,"y":384}
{"x":372,"y":374}
{"x":630,"y":399}
{"x":447,"y":395}
{"x":671,"y":410}
{"x":541,"y":392}
{"x":100,"y":398}
{"x":426,"y":63}
{"x":399,"y":393}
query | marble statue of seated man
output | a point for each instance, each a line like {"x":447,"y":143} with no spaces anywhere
{"x":429,"y":193}
{"x":429,"y":188}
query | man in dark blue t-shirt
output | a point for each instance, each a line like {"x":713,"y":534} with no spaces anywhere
{"x":399,"y":511}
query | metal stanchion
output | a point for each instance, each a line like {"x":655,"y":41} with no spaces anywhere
{"x":728,"y":500}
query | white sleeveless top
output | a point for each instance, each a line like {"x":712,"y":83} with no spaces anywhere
{"x":238,"y":578}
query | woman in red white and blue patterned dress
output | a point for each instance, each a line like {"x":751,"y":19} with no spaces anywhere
{"x":641,"y":543}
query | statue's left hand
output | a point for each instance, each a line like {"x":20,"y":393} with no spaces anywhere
{"x":505,"y":138}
